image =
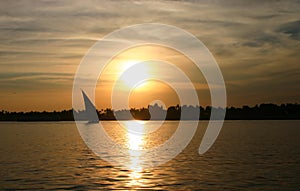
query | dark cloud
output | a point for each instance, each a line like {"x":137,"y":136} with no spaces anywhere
{"x":292,"y":29}
{"x":261,"y":40}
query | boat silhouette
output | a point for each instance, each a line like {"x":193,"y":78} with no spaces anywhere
{"x":90,"y":109}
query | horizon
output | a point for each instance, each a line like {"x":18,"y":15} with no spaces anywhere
{"x":256,"y":52}
{"x":164,"y":107}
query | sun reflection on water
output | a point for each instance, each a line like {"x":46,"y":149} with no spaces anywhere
{"x":135,"y":142}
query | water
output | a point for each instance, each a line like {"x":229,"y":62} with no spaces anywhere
{"x":248,"y":155}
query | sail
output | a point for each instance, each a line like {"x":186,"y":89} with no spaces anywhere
{"x":90,"y":109}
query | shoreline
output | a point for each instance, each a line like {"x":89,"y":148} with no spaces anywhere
{"x":262,"y":119}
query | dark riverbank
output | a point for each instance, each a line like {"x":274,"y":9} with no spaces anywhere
{"x":258,"y":112}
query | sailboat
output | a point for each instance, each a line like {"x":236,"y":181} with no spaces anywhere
{"x":90,"y":109}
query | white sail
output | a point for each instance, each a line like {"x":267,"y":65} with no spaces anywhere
{"x":90,"y":109}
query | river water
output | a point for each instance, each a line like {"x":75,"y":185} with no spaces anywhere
{"x":248,"y":155}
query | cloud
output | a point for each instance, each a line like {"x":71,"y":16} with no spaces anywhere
{"x":262,"y":39}
{"x":254,"y":41}
{"x":292,"y":29}
{"x":27,"y":81}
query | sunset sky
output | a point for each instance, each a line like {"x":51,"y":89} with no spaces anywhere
{"x":256,"y":44}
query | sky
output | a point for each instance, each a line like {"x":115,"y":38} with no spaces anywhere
{"x":256,"y":44}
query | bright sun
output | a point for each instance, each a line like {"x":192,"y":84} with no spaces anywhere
{"x":134,"y":73}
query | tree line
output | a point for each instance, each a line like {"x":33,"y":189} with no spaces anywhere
{"x":154,"y":112}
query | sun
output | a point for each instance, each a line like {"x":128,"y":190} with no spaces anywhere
{"x":134,"y":73}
